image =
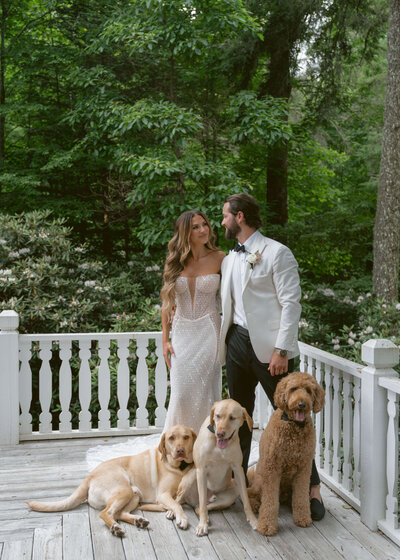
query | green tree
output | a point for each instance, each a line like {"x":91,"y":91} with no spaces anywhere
{"x":327,"y":32}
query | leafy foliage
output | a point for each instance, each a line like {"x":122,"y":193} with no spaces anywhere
{"x":341,"y":318}
{"x":56,"y":286}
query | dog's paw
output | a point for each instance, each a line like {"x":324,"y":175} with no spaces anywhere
{"x":141,"y":522}
{"x":267,"y":529}
{"x":182,"y":522}
{"x":253,"y":521}
{"x":117,"y":530}
{"x":212,"y":498}
{"x":303,"y":522}
{"x":255,"y":503}
{"x":170,"y":514}
{"x":202,"y":529}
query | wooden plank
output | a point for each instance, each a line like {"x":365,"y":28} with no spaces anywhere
{"x":378,"y":545}
{"x":42,"y":474}
{"x":197,"y":548}
{"x":137,"y":543}
{"x":224,"y":541}
{"x":51,"y":492}
{"x":164,"y":537}
{"x":22,"y":534}
{"x":77,"y":541}
{"x":47,"y":543}
{"x":256,"y":545}
{"x":341,"y":539}
{"x":19,"y":529}
{"x":313,"y":542}
{"x":285,"y":543}
{"x":19,"y":510}
{"x":52,"y":457}
{"x":57,"y":482}
{"x":105,"y":545}
{"x":17,"y":550}
{"x":78,"y":443}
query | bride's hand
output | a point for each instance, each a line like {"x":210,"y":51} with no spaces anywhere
{"x":168,"y":351}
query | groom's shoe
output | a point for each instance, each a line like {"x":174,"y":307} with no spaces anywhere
{"x":317,"y":509}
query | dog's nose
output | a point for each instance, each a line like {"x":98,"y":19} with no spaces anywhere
{"x":179,"y":449}
{"x":302,"y":404}
{"x":220,"y":434}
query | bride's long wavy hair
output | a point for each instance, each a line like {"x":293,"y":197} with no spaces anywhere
{"x":179,"y":253}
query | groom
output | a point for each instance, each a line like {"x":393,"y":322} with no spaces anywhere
{"x":261,"y":308}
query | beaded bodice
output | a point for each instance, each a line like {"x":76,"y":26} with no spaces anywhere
{"x":196,"y":296}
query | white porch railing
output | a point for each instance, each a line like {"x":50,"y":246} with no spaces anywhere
{"x":357,"y":432}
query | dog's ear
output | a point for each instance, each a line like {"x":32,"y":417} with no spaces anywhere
{"x":212,"y":415}
{"x":162,"y":449}
{"x":319,"y":397}
{"x":247,"y":418}
{"x":194,"y":435}
{"x":280,"y":393}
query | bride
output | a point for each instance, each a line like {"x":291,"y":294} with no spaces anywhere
{"x":190,"y":314}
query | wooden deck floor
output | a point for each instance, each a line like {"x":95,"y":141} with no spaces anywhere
{"x":52,"y":469}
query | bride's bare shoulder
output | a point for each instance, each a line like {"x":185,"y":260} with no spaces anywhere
{"x":218,"y":257}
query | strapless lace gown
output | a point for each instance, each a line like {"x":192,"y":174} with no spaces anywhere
{"x":195,"y":370}
{"x":195,"y":373}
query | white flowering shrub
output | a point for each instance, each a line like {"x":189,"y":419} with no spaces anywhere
{"x":342,"y":318}
{"x":56,"y":286}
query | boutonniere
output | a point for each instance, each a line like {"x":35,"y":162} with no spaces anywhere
{"x":253,"y":259}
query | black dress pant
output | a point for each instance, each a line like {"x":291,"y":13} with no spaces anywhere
{"x":244,"y":371}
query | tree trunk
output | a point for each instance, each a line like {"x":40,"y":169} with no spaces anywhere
{"x":2,"y":84}
{"x":387,"y":219}
{"x":278,"y":85}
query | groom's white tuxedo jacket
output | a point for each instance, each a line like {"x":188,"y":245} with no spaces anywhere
{"x":271,"y":298}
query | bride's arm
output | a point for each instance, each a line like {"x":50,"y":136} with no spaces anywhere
{"x":168,"y":351}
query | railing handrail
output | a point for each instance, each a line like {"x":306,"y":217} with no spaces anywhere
{"x":91,"y":336}
{"x":390,"y":383}
{"x":352,"y":368}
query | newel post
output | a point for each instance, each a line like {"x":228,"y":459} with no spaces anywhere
{"x":380,"y":356}
{"x":9,"y":370}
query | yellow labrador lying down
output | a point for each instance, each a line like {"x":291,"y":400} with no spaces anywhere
{"x":216,"y":454}
{"x":118,"y":485}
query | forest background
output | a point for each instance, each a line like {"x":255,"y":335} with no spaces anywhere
{"x":117,"y":115}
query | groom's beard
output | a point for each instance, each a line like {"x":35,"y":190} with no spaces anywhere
{"x":232,"y":232}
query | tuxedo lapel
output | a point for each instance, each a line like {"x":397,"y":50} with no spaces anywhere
{"x":259,"y":245}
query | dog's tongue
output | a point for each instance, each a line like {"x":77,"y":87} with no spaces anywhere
{"x":299,"y":415}
{"x":222,"y":443}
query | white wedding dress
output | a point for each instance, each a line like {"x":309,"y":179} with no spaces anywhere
{"x":195,"y":373}
{"x":195,"y":369}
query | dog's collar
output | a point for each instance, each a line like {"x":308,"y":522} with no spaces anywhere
{"x":183,"y":465}
{"x":287,"y":419}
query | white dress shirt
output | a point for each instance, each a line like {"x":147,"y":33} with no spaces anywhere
{"x":239,"y":267}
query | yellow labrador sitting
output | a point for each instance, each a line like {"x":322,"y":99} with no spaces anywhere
{"x":118,"y":485}
{"x":216,"y":454}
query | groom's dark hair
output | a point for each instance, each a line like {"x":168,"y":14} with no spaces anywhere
{"x":247,"y":204}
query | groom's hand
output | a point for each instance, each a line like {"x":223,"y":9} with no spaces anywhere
{"x":168,"y":351}
{"x":278,"y":365}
